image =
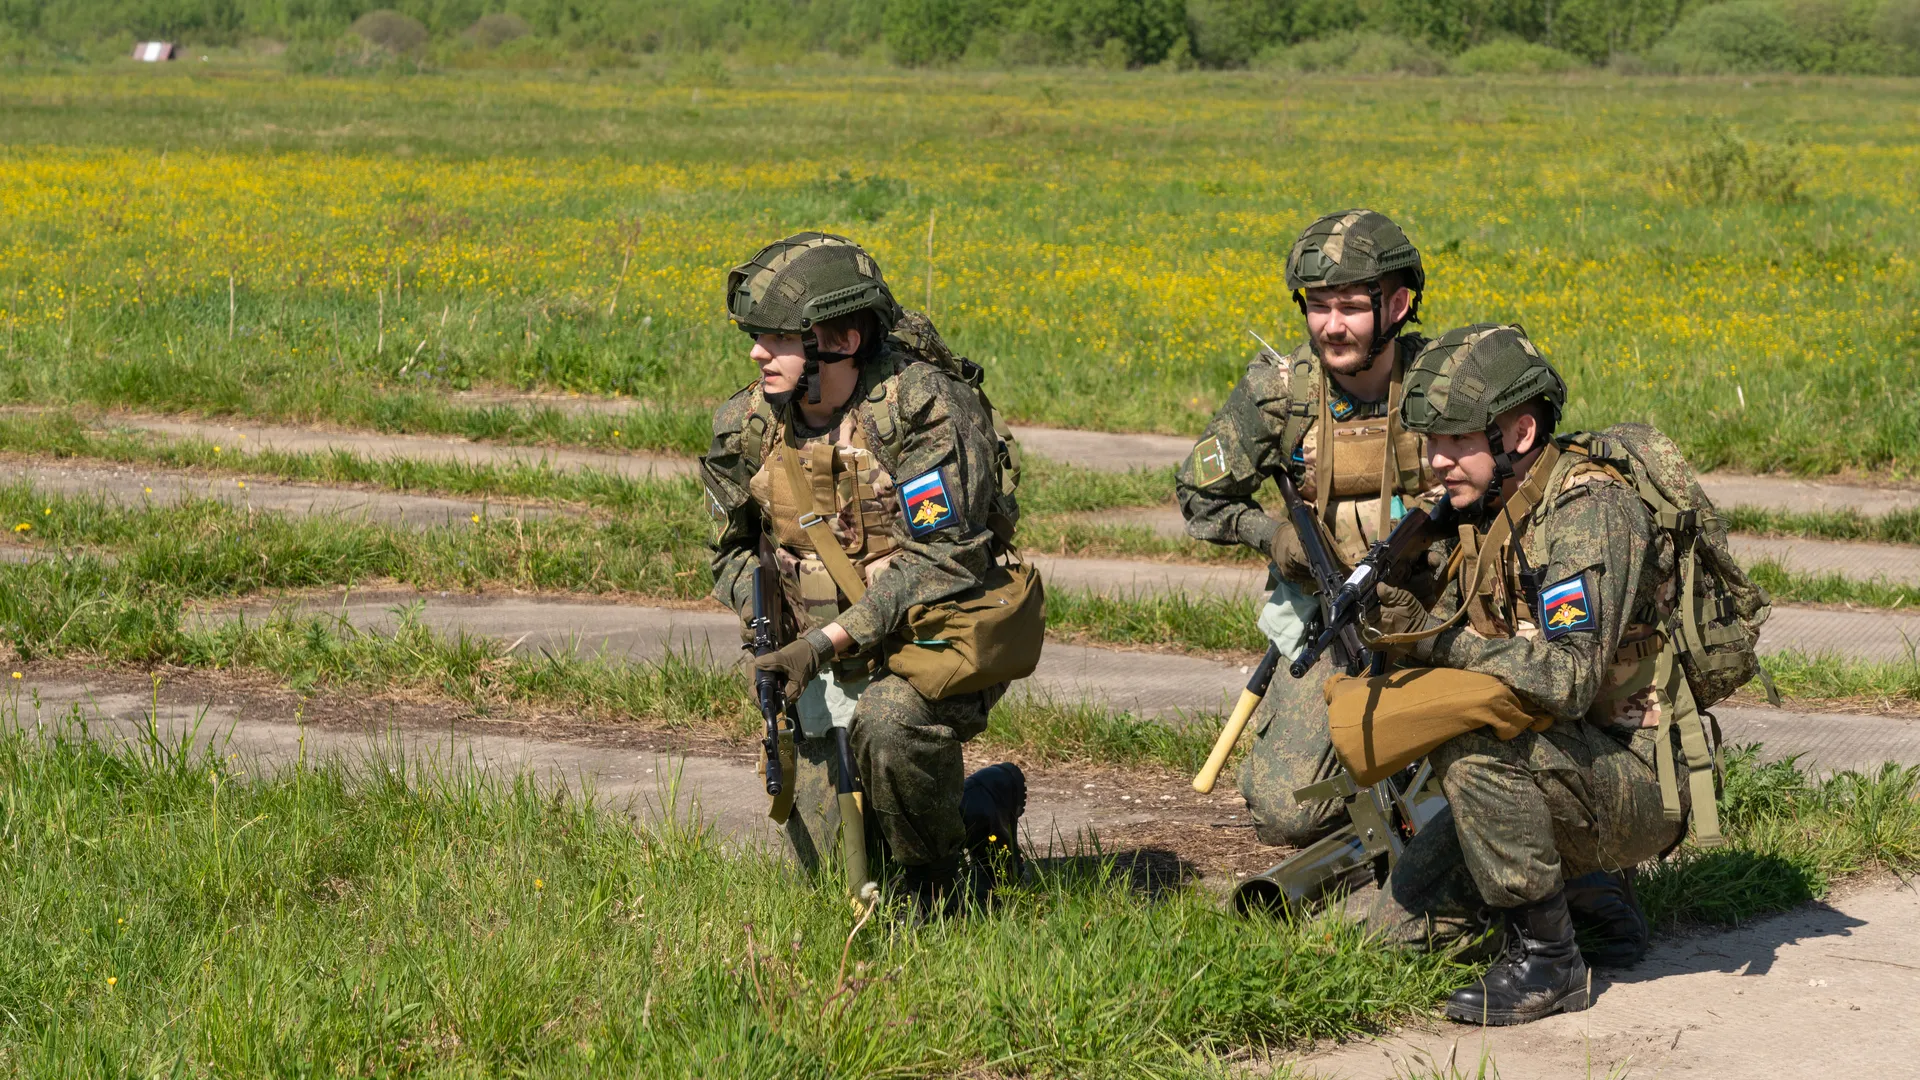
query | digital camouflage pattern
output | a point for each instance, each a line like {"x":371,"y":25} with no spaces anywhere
{"x":908,"y":751}
{"x":1583,"y":795}
{"x":910,"y":418}
{"x":1244,"y":444}
{"x":936,"y":423}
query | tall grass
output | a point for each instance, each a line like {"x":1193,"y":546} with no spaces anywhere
{"x":378,"y":918}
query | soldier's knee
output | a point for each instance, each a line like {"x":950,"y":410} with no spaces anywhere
{"x":1280,"y":821}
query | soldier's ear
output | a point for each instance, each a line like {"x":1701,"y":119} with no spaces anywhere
{"x":1526,"y":432}
{"x":1400,"y":304}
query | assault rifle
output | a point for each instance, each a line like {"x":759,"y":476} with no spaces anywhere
{"x":768,"y":692}
{"x":1382,"y":817}
{"x":766,"y":684}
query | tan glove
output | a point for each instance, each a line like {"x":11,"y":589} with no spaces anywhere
{"x":1401,"y":612}
{"x":797,"y":662}
{"x":1287,"y":556}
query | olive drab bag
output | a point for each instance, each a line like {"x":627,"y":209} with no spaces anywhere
{"x":1712,"y":633}
{"x":988,"y":635}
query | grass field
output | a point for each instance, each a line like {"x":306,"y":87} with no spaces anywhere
{"x":170,"y":914}
{"x":234,"y":240}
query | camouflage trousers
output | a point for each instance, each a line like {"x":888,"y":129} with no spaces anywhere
{"x":907,"y":750}
{"x":1290,"y":750}
{"x":1522,"y":818}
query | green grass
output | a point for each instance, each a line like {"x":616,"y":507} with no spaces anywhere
{"x":1790,"y":840}
{"x":1803,"y":677}
{"x":1893,"y":527}
{"x":1199,"y":623}
{"x":248,"y":243}
{"x":168,"y":917}
{"x":1797,"y":587}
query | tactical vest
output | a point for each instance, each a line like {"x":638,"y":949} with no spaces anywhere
{"x":1373,"y":462}
{"x":850,"y":488}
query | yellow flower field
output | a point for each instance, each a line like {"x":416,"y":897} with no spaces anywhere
{"x":1103,"y":243}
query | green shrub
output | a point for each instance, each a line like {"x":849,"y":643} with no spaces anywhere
{"x":1725,"y":167}
{"x":1510,"y":56}
{"x":1230,"y":33}
{"x":494,"y":30}
{"x":1745,"y":35}
{"x":1356,"y":53}
{"x":921,"y":32}
{"x":401,"y":35}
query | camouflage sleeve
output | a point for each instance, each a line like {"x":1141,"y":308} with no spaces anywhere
{"x":947,"y":445}
{"x":1599,"y":543}
{"x":1240,"y":448}
{"x":736,"y":520}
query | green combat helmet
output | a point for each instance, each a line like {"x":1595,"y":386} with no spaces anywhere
{"x":1356,"y":247}
{"x":1462,"y":381}
{"x":792,"y":285}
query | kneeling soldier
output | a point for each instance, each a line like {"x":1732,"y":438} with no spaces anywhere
{"x":868,"y":474}
{"x":1561,"y":598}
{"x":1325,"y":415}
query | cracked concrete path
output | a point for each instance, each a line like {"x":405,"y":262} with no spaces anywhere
{"x":1897,"y":564}
{"x":1831,"y":989}
{"x":1108,"y":451}
{"x":628,"y":770}
{"x":245,"y":437}
{"x":1154,"y":684}
{"x":134,"y":484}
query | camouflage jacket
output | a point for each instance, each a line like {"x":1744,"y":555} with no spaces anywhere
{"x":1605,"y":573}
{"x":1217,"y":495}
{"x":938,"y":427}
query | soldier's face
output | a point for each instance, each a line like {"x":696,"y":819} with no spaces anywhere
{"x":1462,"y":462}
{"x":781,"y":361}
{"x":1340,"y":321}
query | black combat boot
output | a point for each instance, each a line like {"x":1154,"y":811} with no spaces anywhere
{"x":1542,"y":973}
{"x":1607,"y":918}
{"x":934,"y":890}
{"x":991,"y":804}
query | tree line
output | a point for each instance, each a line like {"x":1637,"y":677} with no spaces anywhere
{"x":1703,"y":36}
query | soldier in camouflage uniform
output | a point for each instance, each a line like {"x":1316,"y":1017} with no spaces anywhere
{"x":1577,"y":579}
{"x":899,"y":461}
{"x":1358,"y":280}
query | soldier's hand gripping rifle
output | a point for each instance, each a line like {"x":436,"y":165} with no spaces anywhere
{"x":1348,"y":652}
{"x":1380,"y":817}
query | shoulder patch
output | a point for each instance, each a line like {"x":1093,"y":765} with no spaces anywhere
{"x":1569,"y":606}
{"x":1209,"y":461}
{"x":927,"y":504}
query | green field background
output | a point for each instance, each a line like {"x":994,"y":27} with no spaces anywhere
{"x":1104,"y":244}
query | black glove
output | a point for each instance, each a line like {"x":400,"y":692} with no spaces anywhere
{"x":797,"y":662}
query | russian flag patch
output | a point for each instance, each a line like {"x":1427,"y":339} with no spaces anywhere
{"x":1567,"y":607}
{"x":926,"y":502}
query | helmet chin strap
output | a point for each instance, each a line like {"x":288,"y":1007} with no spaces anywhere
{"x":815,"y":356}
{"x":1482,"y":508}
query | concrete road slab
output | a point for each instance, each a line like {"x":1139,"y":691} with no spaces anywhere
{"x":1125,"y":577}
{"x":1168,"y":686}
{"x":1879,"y":636}
{"x":1897,"y":564}
{"x":243,"y":438}
{"x":135,"y":485}
{"x":1827,"y":990}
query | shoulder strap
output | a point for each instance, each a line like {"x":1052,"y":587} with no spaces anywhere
{"x":1303,"y":386}
{"x":813,"y":521}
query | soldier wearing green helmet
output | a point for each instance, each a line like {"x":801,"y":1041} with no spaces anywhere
{"x":1560,"y":586}
{"x":1325,"y":413}
{"x":864,"y":466}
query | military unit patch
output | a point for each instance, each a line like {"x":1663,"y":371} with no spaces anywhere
{"x":1568,"y":606}
{"x":927,"y":504}
{"x":1209,"y":461}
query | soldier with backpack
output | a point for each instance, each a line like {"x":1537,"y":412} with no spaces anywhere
{"x":869,"y":472}
{"x":1592,"y":612}
{"x":1327,"y":414}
